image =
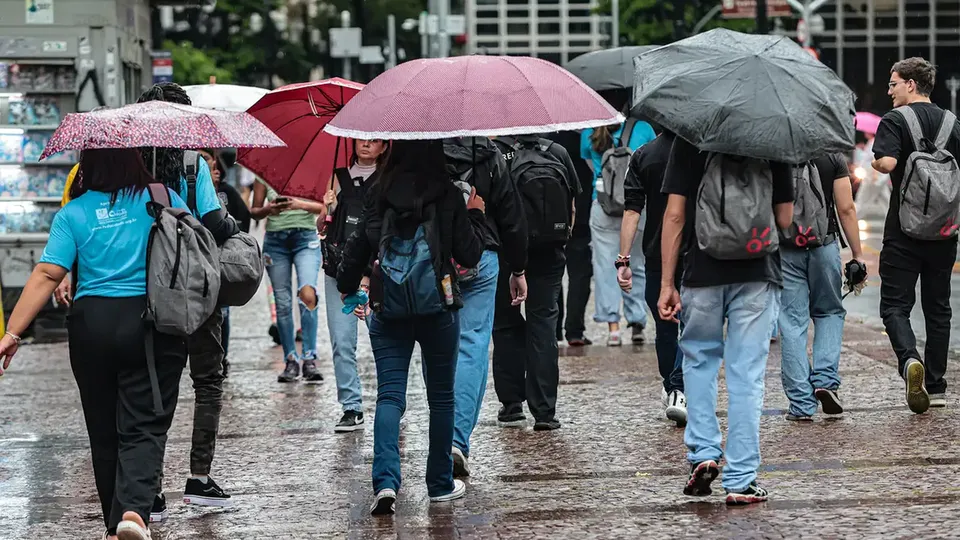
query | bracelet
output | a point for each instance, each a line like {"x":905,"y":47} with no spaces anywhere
{"x":15,"y":337}
{"x":623,"y":257}
{"x":520,"y":273}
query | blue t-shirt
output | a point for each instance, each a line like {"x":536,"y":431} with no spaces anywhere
{"x":642,"y":134}
{"x":110,"y":242}
{"x":207,"y":200}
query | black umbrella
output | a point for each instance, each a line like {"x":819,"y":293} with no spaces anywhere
{"x":607,"y":69}
{"x":749,"y":95}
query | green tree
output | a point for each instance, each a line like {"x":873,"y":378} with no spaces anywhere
{"x":658,"y":22}
{"x":193,"y":66}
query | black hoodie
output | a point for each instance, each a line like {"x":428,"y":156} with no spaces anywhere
{"x":415,"y":179}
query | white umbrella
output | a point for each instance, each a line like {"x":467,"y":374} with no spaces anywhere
{"x":224,"y":97}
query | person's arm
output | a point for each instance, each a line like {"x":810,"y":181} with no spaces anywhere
{"x":330,"y":197}
{"x":674,"y":219}
{"x":262,"y":208}
{"x":634,"y":198}
{"x":507,"y":212}
{"x":586,"y":149}
{"x":315,"y":208}
{"x":887,"y":143}
{"x":783,"y":194}
{"x":847,"y":211}
{"x":237,"y":208}
{"x":468,"y":220}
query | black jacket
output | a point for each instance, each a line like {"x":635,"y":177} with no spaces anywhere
{"x":459,"y":232}
{"x":505,"y":224}
{"x":235,"y":205}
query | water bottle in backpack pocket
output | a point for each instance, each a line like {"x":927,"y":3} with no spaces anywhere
{"x":930,"y":192}
{"x":810,"y":212}
{"x":734,"y":213}
{"x":409,"y":281}
{"x":541,"y":180}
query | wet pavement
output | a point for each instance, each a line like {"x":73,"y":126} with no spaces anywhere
{"x":615,"y":469}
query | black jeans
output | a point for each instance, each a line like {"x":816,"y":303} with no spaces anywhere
{"x":206,"y":370}
{"x":525,"y":353}
{"x":127,"y":436}
{"x":669,"y":357}
{"x":901,"y":263}
{"x":579,"y":278}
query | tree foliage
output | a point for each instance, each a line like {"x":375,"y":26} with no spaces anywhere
{"x":658,"y":22}
{"x":193,"y":66}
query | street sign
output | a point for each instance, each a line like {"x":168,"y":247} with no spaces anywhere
{"x":371,"y":54}
{"x":747,"y":9}
{"x":433,"y":25}
{"x":456,"y":25}
{"x":162,"y":64}
{"x":345,"y":42}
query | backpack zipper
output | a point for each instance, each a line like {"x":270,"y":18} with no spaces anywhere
{"x":906,"y":184}
{"x":176,"y":263}
{"x":723,"y":199}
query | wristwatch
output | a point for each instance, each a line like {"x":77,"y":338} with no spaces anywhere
{"x":621,"y":261}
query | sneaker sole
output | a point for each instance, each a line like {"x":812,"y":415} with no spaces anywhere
{"x":699,"y":483}
{"x":512,"y":423}
{"x":460,"y":469}
{"x":917,"y":398}
{"x":384,"y":507}
{"x":937,"y":404}
{"x":348,"y":429}
{"x":286,"y":381}
{"x":677,"y":415}
{"x":449,"y":497}
{"x":739,"y":499}
{"x":829,"y":404}
{"x":128,"y":530}
{"x":207,"y":501}
{"x":313,"y":381}
{"x":158,"y":517}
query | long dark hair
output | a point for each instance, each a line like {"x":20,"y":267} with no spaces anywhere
{"x":119,"y":172}
{"x":416,"y":164}
{"x":169,"y":160}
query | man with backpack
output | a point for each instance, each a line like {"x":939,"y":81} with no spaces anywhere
{"x":476,"y":163}
{"x":723,"y":213}
{"x":917,"y":144}
{"x":525,"y":353}
{"x":810,"y":259}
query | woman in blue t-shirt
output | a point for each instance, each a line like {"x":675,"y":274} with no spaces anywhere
{"x":605,"y":237}
{"x":103,"y":232}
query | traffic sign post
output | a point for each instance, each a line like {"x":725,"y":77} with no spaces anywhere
{"x":953,"y":84}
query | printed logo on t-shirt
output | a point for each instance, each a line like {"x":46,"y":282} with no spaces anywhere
{"x":108,"y":217}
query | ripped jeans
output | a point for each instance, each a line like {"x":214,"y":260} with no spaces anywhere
{"x":283,"y":251}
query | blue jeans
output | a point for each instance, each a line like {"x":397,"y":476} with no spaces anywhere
{"x":473,"y":363}
{"x":284,"y":250}
{"x":748,"y":311}
{"x":343,"y":338}
{"x":607,"y":294}
{"x":811,"y":290}
{"x":392,"y":341}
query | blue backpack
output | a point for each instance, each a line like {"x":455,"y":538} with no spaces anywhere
{"x":410,"y":285}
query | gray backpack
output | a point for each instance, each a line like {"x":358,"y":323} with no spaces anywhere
{"x":183,"y":268}
{"x":613,"y":173}
{"x":930,"y":194}
{"x":810,"y":212}
{"x":241,"y":270}
{"x":734,"y":215}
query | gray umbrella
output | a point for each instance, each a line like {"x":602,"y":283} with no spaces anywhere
{"x":607,"y":69}
{"x":749,"y":95}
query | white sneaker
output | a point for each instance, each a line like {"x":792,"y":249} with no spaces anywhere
{"x":663,"y":396}
{"x":613,"y":340}
{"x":938,"y":400}
{"x":460,"y":466}
{"x":677,"y":408}
{"x":385,"y":503}
{"x":131,"y":530}
{"x":459,"y":489}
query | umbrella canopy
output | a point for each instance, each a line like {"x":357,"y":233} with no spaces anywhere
{"x":298,"y":113}
{"x":749,"y":95}
{"x":159,"y":124}
{"x":478,"y":96}
{"x":868,"y":122}
{"x":224,"y":97}
{"x":607,"y":69}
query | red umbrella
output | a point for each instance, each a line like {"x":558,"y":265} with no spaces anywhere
{"x":159,"y":124}
{"x":298,"y":114}
{"x":472,"y":96}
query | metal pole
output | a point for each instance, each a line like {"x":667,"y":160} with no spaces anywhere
{"x":901,"y":28}
{"x":443,"y":40}
{"x":762,"y":27}
{"x":953,"y":83}
{"x":392,"y":40}
{"x":615,"y":23}
{"x":433,"y":7}
{"x":424,"y":38}
{"x":871,"y":42}
{"x":345,"y":23}
{"x":714,"y":11}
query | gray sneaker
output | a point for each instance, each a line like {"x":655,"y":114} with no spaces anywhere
{"x":290,"y":373}
{"x":310,"y":373}
{"x":938,"y":400}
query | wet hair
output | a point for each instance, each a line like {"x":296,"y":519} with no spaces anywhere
{"x":119,"y":172}
{"x":601,"y":139}
{"x":380,"y":159}
{"x":169,"y":160}
{"x":918,"y":70}
{"x":419,"y":163}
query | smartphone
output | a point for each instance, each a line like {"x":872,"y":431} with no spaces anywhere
{"x":281,"y":200}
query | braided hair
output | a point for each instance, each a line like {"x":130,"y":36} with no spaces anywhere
{"x":169,"y":160}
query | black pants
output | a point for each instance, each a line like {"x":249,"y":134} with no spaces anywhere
{"x":669,"y":358}
{"x":525,"y":353}
{"x":206,"y":370}
{"x":901,"y":263}
{"x":127,"y":436}
{"x":579,"y":278}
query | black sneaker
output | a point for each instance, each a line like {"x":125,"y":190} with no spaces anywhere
{"x":205,"y":494}
{"x":159,"y":512}
{"x":579,"y":341}
{"x":829,"y":400}
{"x":511,"y":415}
{"x":701,"y":476}
{"x":753,"y":494}
{"x":549,"y":424}
{"x":798,"y":418}
{"x":310,"y":373}
{"x":290,"y":373}
{"x":350,"y":421}
{"x":385,"y":503}
{"x":637,"y":334}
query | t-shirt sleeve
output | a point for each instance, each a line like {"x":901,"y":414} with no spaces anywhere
{"x":782,"y":183}
{"x":586,"y":149}
{"x":889,"y":136}
{"x":207,"y":200}
{"x":684,"y":169}
{"x":642,"y":134}
{"x":176,"y":201}
{"x":61,"y":248}
{"x":839,"y":167}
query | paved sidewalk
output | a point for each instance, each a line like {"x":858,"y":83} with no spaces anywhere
{"x":615,"y":469}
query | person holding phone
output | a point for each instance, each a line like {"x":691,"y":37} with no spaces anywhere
{"x":290,"y":242}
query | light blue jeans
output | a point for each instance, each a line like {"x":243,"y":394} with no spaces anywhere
{"x":748,"y":310}
{"x":607,"y":294}
{"x":283,"y":251}
{"x":343,"y":339}
{"x":811,"y":290}
{"x":473,"y":362}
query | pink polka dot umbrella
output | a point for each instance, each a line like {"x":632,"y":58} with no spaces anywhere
{"x":160,"y":124}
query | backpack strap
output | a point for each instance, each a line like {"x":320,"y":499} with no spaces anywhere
{"x":946,"y":129}
{"x":913,"y":125}
{"x":627,"y":131}
{"x":345,"y":180}
{"x":191,"y":164}
{"x":159,"y":194}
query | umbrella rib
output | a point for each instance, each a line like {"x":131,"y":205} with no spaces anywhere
{"x":780,"y":99}
{"x":531,"y":85}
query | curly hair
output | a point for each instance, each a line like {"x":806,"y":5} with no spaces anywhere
{"x":918,"y":70}
{"x":169,"y":160}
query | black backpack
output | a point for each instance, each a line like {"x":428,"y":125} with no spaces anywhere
{"x":541,"y":179}
{"x":346,"y":219}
